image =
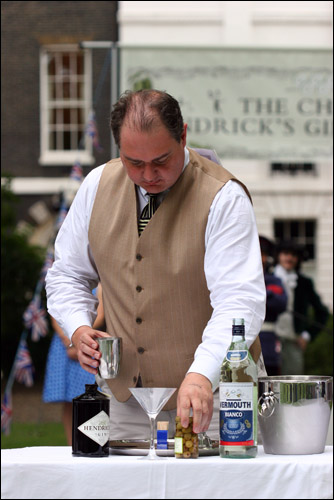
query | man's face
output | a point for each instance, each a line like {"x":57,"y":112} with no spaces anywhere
{"x":153,"y":160}
{"x":288,"y":260}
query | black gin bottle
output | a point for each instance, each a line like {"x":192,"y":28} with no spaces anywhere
{"x":90,"y":425}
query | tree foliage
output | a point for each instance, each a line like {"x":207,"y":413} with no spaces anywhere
{"x":21,"y":264}
{"x":319,"y":353}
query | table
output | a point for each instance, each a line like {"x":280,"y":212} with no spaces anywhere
{"x":52,"y":472}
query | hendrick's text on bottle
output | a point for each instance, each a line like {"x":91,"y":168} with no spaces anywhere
{"x":90,"y":426}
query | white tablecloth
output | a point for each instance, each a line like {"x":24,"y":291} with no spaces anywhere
{"x":52,"y":472}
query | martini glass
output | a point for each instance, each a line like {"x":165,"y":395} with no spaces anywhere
{"x":152,"y":399}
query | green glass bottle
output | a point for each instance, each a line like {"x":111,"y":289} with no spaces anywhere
{"x":238,"y":398}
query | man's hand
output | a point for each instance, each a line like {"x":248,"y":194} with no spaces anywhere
{"x":195,"y":392}
{"x":87,"y":348}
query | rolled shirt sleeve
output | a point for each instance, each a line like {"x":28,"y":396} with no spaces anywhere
{"x":234,"y":274}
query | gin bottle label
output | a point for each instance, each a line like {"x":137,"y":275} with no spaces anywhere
{"x":97,"y":428}
{"x":237,"y":413}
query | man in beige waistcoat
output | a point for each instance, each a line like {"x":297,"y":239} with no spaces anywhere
{"x":173,"y":275}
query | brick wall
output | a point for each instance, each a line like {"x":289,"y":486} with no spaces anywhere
{"x":26,"y":26}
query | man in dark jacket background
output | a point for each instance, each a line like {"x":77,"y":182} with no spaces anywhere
{"x":294,"y":326}
{"x":276,"y":303}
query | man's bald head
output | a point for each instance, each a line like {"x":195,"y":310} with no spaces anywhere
{"x":145,"y":110}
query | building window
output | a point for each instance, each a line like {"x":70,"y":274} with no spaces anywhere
{"x":301,"y":231}
{"x":293,"y":168}
{"x":66,"y":97}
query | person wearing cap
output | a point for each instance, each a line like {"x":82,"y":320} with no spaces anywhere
{"x":294,"y":326}
{"x":276,"y":303}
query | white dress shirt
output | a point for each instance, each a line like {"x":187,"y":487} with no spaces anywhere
{"x":232,"y":265}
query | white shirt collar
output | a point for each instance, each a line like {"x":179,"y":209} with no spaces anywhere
{"x":289,"y":278}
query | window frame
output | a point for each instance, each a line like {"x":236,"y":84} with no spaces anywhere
{"x":293,"y":169}
{"x":63,"y":157}
{"x":302,"y":238}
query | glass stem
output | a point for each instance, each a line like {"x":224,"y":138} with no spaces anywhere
{"x":152,"y":426}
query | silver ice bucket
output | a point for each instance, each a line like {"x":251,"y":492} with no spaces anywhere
{"x":294,"y":413}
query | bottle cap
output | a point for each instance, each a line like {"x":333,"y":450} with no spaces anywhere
{"x":162,"y":426}
{"x":91,"y":387}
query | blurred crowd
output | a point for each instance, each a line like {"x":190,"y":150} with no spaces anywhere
{"x":295,"y":313}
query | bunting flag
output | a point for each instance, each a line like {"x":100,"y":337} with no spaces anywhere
{"x":47,"y":263}
{"x":61,"y":215}
{"x":6,"y":412}
{"x":35,"y":319}
{"x":24,"y":368}
{"x":76,"y":172}
{"x":92,"y":132}
{"x":35,"y":315}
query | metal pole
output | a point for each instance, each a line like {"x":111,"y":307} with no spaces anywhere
{"x":114,"y":79}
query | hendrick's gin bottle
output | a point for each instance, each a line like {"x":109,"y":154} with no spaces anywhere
{"x":90,"y":426}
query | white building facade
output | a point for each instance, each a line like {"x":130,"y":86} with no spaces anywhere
{"x":291,"y":199}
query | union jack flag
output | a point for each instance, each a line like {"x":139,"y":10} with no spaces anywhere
{"x":91,"y":131}
{"x":35,"y":319}
{"x":6,"y":413}
{"x":47,"y":264}
{"x":76,"y":172}
{"x":61,"y":216}
{"x":24,"y":367}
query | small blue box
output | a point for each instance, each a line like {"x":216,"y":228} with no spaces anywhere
{"x":162,"y":440}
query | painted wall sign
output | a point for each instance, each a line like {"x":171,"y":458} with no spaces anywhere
{"x":273,"y":104}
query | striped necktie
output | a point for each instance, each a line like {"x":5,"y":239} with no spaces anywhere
{"x":147,"y":212}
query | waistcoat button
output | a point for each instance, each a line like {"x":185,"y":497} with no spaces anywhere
{"x":138,"y":256}
{"x":141,"y":350}
{"x":139,"y":320}
{"x":138,"y":288}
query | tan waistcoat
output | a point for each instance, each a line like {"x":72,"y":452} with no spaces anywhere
{"x":155,"y":294}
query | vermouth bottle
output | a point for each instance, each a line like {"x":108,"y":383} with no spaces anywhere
{"x":90,"y":426}
{"x":238,"y":398}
